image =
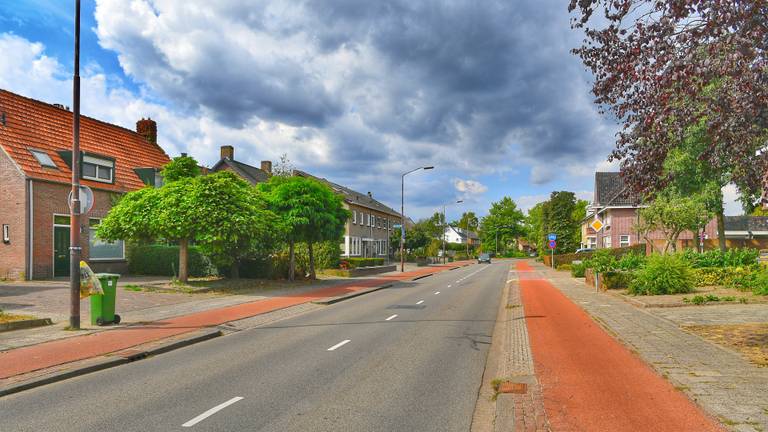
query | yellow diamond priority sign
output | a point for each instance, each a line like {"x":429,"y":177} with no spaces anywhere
{"x":596,"y":225}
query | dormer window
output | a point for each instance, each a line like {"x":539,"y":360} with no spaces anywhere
{"x":43,"y":158}
{"x":98,"y":169}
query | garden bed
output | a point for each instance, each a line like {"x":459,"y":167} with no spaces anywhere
{"x":751,"y":340}
{"x":724,"y":295}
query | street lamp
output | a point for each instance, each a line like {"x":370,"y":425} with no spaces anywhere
{"x":402,"y":213}
{"x":445,"y":223}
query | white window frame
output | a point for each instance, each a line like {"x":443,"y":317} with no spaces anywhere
{"x":622,"y":243}
{"x":99,"y":163}
{"x":43,"y":158}
{"x":92,"y":236}
{"x":607,"y":242}
{"x":354,"y":217}
{"x":591,"y":242}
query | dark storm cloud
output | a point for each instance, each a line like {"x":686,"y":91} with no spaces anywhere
{"x":437,"y":79}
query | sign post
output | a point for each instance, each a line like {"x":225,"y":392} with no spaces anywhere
{"x":552,"y":246}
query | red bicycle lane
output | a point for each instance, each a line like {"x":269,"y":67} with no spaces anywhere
{"x":590,"y":381}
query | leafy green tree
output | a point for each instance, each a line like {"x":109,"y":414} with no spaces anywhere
{"x":179,"y":168}
{"x":309,"y":211}
{"x":559,"y":215}
{"x":534,"y":226}
{"x":672,"y":215}
{"x":233,"y":220}
{"x":504,"y":223}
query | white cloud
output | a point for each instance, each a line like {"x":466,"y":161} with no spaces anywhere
{"x":469,"y":187}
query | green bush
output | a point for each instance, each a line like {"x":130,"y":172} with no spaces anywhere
{"x":163,"y":260}
{"x":514,"y":254}
{"x":761,"y":284}
{"x":663,"y":274}
{"x":327,"y":255}
{"x":716,"y":258}
{"x":578,"y":270}
{"x":361,"y":262}
{"x":617,"y":279}
{"x":732,"y":277}
{"x":638,"y":249}
{"x":601,"y":261}
{"x":631,"y":261}
{"x":565,"y":267}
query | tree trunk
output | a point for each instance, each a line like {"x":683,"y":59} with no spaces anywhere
{"x":291,"y":261}
{"x":234,"y":272}
{"x":721,"y":228}
{"x":312,"y":275}
{"x":183,"y":254}
{"x":696,"y":238}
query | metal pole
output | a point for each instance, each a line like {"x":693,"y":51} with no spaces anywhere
{"x":443,"y":234}
{"x":74,"y":217}
{"x":402,"y":223}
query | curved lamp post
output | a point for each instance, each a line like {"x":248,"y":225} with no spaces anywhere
{"x":402,"y":213}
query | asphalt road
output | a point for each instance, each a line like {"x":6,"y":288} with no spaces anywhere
{"x":417,"y":371}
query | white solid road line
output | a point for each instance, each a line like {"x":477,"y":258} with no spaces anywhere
{"x":340,"y":344}
{"x":420,"y":302}
{"x":211,"y":412}
{"x":437,"y":292}
{"x":391,"y":318}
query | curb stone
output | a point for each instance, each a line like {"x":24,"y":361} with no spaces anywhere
{"x":332,"y":300}
{"x":25,"y":324}
{"x":109,"y":361}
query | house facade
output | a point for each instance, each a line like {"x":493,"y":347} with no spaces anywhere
{"x":366,"y":234}
{"x":617,"y":207}
{"x":459,"y":235}
{"x":35,"y":176}
{"x":371,"y":225}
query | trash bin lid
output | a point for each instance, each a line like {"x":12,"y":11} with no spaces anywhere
{"x":107,"y":275}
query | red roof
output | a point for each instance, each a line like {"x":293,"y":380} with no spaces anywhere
{"x":34,"y":125}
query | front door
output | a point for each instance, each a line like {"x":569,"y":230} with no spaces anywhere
{"x":60,"y":251}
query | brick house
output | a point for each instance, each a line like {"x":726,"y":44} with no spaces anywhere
{"x":35,"y":176}
{"x":617,"y":207}
{"x":367,"y":232}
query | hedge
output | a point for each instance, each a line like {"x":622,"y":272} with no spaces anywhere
{"x":570,"y":258}
{"x":362,"y":262}
{"x":163,"y":260}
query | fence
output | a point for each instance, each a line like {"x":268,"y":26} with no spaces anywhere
{"x":569,"y":258}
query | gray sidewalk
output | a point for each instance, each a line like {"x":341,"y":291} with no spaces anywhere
{"x":719,"y":380}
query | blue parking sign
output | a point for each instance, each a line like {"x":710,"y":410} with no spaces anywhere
{"x":552,"y":237}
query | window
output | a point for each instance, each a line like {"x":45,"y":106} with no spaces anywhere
{"x":43,"y":158}
{"x":623,"y":241}
{"x":98,"y":169}
{"x":102,"y":249}
{"x":592,"y":242}
{"x":607,"y":242}
{"x":354,"y":217}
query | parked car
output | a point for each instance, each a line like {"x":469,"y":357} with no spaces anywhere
{"x":584,"y":250}
{"x":484,"y":258}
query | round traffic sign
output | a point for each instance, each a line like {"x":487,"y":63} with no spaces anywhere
{"x":86,"y":199}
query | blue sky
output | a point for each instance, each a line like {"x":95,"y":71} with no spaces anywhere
{"x":357,"y":92}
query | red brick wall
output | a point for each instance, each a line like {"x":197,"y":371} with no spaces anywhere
{"x":623,"y":221}
{"x":50,"y":199}
{"x":13,"y":213}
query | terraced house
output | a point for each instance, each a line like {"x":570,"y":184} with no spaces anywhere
{"x":35,"y":176}
{"x":367,"y":233}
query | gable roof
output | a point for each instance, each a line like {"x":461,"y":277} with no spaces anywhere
{"x":351,"y":196}
{"x":250,"y":173}
{"x":610,"y":190}
{"x":461,"y":232}
{"x":27,"y":124}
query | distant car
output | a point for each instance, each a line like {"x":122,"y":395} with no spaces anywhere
{"x":584,"y":250}
{"x":484,"y":258}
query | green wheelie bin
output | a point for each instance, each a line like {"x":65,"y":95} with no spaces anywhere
{"x":103,"y":305}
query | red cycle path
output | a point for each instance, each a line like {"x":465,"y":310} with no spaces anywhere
{"x":590,"y":381}
{"x":35,"y":357}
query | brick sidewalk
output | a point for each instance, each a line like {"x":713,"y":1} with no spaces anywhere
{"x":719,"y":380}
{"x":26,"y":359}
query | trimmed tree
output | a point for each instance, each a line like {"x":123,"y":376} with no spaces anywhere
{"x":672,"y":215}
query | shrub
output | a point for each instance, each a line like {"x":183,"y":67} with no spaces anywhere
{"x":716,"y":258}
{"x":710,"y":276}
{"x":631,"y":261}
{"x":617,"y":252}
{"x":577,"y":270}
{"x":514,"y":254}
{"x":760,"y":286}
{"x":327,"y":255}
{"x":602,"y":260}
{"x":617,"y":279}
{"x":565,"y":267}
{"x":163,"y":260}
{"x":663,"y":274}
{"x":363,"y":262}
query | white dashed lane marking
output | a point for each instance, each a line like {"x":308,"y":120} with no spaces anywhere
{"x":391,"y":318}
{"x":339,"y":345}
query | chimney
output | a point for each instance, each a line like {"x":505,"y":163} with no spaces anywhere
{"x":148,"y":129}
{"x":266,"y":166}
{"x":228,"y":152}
{"x":370,"y":195}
